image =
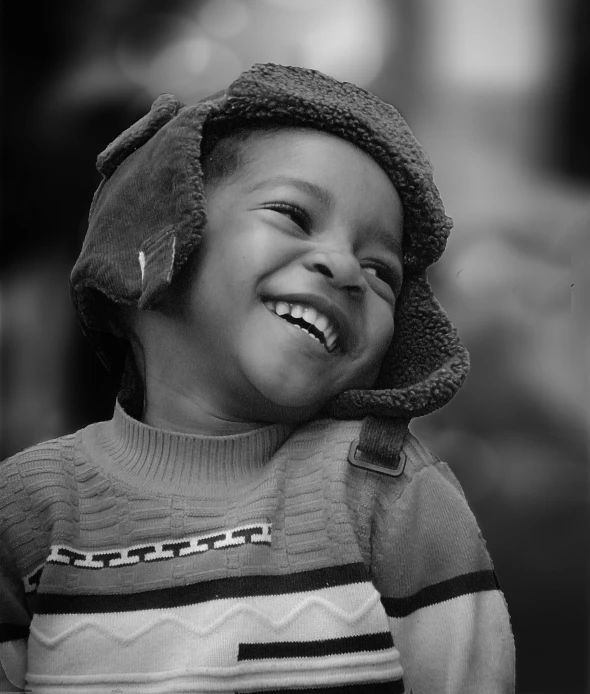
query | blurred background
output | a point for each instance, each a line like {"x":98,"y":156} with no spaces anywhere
{"x":498,"y":93}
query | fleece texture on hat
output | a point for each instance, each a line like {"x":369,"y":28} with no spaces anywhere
{"x":148,"y":215}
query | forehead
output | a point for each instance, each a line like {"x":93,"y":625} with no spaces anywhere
{"x":296,"y":143}
{"x":320,"y":164}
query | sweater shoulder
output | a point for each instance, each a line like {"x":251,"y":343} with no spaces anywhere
{"x":37,"y":481}
{"x":34,"y":471}
{"x":24,"y":468}
{"x":420,"y":467}
{"x":424,"y":459}
{"x":39,"y":498}
{"x":48,"y":456}
{"x":427,"y":492}
{"x":334,"y":437}
{"x":424,"y":515}
{"x":49,"y":449}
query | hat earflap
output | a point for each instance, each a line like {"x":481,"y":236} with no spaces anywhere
{"x":425,"y":365}
{"x":164,"y":108}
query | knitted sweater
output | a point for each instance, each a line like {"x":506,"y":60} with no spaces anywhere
{"x":140,"y":560}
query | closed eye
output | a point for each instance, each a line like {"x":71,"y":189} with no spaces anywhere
{"x":384,"y":274}
{"x":296,"y":214}
{"x":381,"y":272}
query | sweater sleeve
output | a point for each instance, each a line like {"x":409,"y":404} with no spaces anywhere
{"x":20,"y":549}
{"x":14,"y":625}
{"x":446,"y":612}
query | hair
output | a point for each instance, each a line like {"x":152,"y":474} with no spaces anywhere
{"x":224,"y":149}
{"x":223,"y":158}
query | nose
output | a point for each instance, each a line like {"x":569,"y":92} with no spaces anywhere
{"x":341,"y":267}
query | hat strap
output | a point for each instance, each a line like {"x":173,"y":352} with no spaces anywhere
{"x":379,"y":446}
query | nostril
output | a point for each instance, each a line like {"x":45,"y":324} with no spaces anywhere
{"x":324,"y":269}
{"x":342,"y":277}
{"x":355,"y":288}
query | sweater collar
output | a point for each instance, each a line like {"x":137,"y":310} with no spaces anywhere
{"x":168,"y":461}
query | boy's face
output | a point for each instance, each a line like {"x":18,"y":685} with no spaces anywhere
{"x":309,"y":227}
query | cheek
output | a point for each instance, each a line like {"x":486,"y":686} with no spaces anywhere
{"x":221,"y":278}
{"x":379,"y":335}
{"x":380,"y":326}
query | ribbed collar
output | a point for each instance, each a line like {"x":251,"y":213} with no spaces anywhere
{"x":172,"y":462}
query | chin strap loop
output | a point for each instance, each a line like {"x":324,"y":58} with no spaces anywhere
{"x":379,"y":446}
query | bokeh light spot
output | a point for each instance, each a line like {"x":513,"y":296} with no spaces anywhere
{"x":346,"y":39}
{"x":223,"y":19}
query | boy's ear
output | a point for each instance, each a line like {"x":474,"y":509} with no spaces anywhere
{"x":164,"y":108}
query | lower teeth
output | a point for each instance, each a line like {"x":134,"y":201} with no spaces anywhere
{"x":307,"y":331}
{"x":332,"y":348}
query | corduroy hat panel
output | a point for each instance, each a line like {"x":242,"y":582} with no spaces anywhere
{"x":164,"y":108}
{"x":147,"y":216}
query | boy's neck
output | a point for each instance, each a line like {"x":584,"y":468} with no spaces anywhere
{"x":174,"y":411}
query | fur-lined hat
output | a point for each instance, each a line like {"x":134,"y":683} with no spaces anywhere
{"x":148,"y":215}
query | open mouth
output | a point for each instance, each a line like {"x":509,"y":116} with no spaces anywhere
{"x":310,"y":320}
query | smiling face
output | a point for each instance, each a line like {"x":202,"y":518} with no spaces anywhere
{"x":290,"y":299}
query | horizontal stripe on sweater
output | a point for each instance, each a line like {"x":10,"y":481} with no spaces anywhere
{"x":332,"y":671}
{"x":474,"y":582}
{"x":244,"y":586}
{"x":218,"y":589}
{"x":317,"y":648}
{"x":393,"y":687}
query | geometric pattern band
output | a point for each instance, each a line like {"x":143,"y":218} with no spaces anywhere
{"x":259,"y":533}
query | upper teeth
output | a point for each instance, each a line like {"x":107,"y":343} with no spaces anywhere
{"x":310,"y":315}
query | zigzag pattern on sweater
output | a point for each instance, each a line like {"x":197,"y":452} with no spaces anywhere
{"x":324,"y":625}
{"x":315,"y":607}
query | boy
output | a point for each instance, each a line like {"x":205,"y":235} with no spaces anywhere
{"x":256,"y":516}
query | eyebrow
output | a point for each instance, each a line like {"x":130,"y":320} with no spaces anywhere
{"x":325,"y":197}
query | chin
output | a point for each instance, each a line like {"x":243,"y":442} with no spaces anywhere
{"x":276,"y":400}
{"x":295,"y":402}
{"x":284,"y":391}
